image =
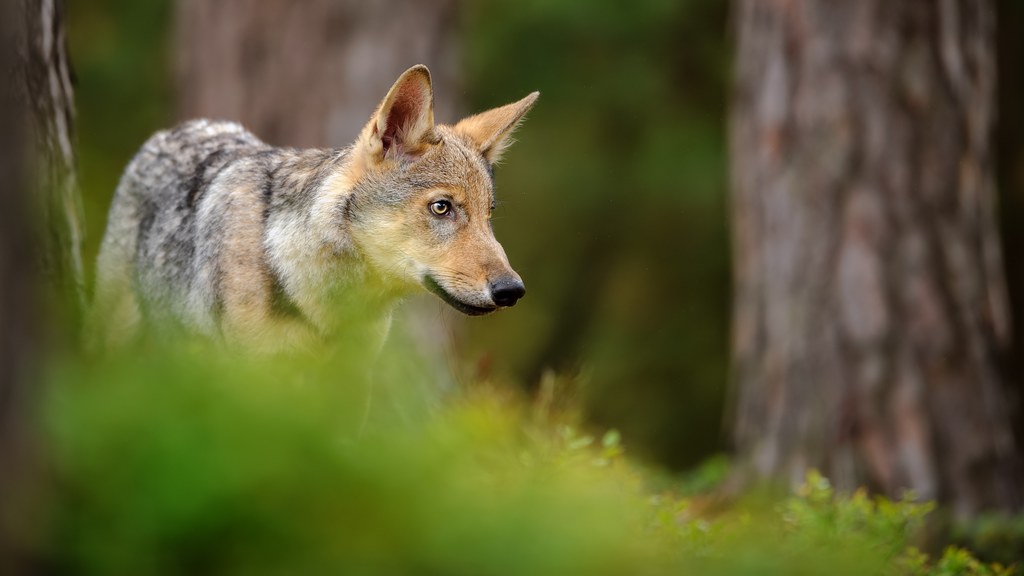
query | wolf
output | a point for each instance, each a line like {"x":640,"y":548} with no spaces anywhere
{"x":215,"y":232}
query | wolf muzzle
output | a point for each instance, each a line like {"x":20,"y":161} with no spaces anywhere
{"x":504,"y":292}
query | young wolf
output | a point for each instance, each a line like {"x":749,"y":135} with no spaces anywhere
{"x":216,"y":232}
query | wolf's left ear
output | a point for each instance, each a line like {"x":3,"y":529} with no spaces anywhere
{"x":404,"y":120}
{"x":490,"y":130}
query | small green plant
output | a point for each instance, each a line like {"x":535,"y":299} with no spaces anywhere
{"x":953,"y":562}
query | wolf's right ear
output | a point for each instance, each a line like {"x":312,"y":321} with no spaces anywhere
{"x":404,"y":120}
{"x":491,"y":131}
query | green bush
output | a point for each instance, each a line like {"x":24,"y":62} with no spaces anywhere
{"x":171,"y":462}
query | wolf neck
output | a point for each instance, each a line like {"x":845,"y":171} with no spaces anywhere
{"x":309,"y":243}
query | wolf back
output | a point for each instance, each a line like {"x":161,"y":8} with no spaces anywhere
{"x":177,"y":194}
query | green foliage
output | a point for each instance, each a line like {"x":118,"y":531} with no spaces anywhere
{"x":179,"y":464}
{"x":820,"y":517}
{"x":953,"y":562}
{"x":179,"y":461}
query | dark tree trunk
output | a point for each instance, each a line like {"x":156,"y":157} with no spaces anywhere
{"x":870,"y":311}
{"x":1010,"y":178}
{"x":310,"y":73}
{"x":40,"y":237}
{"x":44,"y":79}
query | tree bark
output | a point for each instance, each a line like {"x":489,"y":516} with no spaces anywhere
{"x":40,"y":239}
{"x":870,"y":310}
{"x":44,"y":89}
{"x":310,"y":73}
{"x":1010,"y":181}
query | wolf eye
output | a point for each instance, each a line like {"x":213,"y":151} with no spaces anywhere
{"x":440,"y":208}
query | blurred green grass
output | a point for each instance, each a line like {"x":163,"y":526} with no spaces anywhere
{"x":193,"y":460}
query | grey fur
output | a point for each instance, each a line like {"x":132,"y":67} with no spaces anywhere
{"x":165,"y":229}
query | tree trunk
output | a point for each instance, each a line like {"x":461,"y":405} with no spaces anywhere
{"x":870,"y":311}
{"x":44,"y":92}
{"x":310,"y":73}
{"x":40,"y":239}
{"x":1010,"y":180}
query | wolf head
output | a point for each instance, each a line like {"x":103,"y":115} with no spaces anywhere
{"x":422,"y":197}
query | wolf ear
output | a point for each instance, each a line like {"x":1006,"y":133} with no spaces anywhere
{"x":490,"y":130}
{"x":404,"y":120}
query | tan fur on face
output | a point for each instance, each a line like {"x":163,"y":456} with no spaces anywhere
{"x":409,"y":243}
{"x":404,"y":243}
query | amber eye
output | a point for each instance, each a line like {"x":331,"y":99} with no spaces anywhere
{"x":440,"y":208}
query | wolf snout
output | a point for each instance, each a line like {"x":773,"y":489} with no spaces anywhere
{"x":507,"y":291}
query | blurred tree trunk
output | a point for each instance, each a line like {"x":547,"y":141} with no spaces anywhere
{"x":44,"y":95}
{"x":40,"y":238}
{"x":311,"y":74}
{"x":1010,"y":178}
{"x":870,"y":312}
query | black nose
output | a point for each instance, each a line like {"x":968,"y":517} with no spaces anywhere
{"x":507,"y":291}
